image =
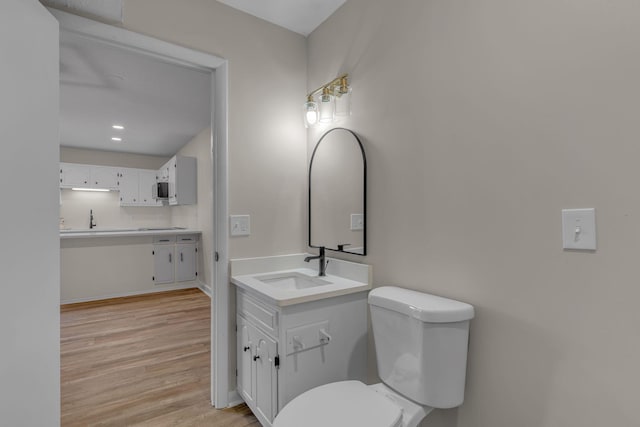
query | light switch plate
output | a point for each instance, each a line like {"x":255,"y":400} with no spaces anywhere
{"x":240,"y":225}
{"x":579,"y":229}
{"x":357,"y":222}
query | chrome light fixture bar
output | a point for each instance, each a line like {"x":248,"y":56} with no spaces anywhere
{"x":335,"y":101}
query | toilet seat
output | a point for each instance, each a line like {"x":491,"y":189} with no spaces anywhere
{"x":340,"y":404}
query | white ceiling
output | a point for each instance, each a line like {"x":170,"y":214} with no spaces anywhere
{"x":300,"y":16}
{"x":161,"y":105}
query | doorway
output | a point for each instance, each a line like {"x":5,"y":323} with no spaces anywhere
{"x":218,"y":70}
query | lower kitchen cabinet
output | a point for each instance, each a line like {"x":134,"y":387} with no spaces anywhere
{"x":186,"y":262}
{"x":163,"y":263}
{"x":175,"y":258}
{"x":284,"y":351}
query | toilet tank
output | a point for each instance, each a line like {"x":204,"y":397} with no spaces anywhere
{"x":421,"y":344}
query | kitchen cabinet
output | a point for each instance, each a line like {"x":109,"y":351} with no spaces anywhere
{"x":175,"y":258}
{"x":147,"y":179}
{"x":74,"y":175}
{"x":135,"y":187}
{"x":285,"y":351}
{"x":88,"y":176}
{"x":181,"y":174}
{"x":186,"y":262}
{"x":128,"y":183}
{"x":104,"y":177}
{"x":163,"y":263}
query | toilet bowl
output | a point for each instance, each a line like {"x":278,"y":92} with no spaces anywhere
{"x":421,"y":347}
{"x":352,"y":404}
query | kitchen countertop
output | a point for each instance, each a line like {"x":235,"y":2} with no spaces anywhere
{"x":125,"y":232}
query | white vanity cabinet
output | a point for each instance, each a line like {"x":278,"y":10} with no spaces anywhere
{"x":283,"y":351}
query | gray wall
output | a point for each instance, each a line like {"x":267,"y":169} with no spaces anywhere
{"x":482,"y":119}
{"x":267,"y":143}
{"x":29,"y":254}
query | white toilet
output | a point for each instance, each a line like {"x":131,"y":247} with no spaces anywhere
{"x":421,"y":346}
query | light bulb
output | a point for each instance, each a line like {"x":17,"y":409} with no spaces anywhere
{"x":327,"y":108}
{"x":310,"y":110}
{"x":343,"y":102}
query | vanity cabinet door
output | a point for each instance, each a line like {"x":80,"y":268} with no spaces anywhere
{"x":246,"y":374}
{"x":266,"y":391}
{"x":186,"y":262}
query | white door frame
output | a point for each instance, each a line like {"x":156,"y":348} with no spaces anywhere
{"x":219,"y":151}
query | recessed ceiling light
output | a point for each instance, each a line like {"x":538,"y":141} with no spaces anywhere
{"x":116,"y":139}
{"x":119,"y":127}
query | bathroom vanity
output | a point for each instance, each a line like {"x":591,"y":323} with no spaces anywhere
{"x":295,"y":330}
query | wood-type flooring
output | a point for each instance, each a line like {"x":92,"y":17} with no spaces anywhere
{"x":141,"y":361}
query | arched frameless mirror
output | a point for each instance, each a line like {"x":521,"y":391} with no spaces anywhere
{"x":338,"y":193}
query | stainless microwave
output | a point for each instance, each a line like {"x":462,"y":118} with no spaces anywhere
{"x":160,"y":191}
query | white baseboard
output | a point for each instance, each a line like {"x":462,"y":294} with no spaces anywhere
{"x":175,"y":287}
{"x":235,"y":399}
{"x":205,"y":288}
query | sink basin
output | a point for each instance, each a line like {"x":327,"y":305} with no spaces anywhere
{"x":292,"y":280}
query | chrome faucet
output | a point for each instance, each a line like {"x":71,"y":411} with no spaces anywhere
{"x":92,"y":223}
{"x":322,"y":268}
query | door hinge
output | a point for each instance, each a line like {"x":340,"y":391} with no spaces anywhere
{"x":277,"y":362}
{"x":217,"y":257}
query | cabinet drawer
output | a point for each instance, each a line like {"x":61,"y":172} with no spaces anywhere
{"x":187,"y":238}
{"x":164,"y":240}
{"x":258,"y":313}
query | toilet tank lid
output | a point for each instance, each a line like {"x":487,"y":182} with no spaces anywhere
{"x":425,"y":307}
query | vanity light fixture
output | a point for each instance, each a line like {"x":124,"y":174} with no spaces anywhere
{"x":91,"y":189}
{"x":334,"y":101}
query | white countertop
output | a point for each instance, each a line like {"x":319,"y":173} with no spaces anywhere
{"x":124,"y":232}
{"x":344,"y":277}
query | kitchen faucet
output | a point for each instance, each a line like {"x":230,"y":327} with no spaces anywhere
{"x":322,"y":268}
{"x":92,"y":223}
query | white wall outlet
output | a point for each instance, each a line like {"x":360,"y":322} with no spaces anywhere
{"x":357,"y":221}
{"x":579,"y":229}
{"x":240,"y":225}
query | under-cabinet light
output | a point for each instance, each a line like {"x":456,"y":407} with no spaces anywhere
{"x":91,"y":189}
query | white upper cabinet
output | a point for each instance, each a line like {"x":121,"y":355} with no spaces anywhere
{"x":147,"y":179}
{"x":128,"y":186}
{"x":181,"y":174}
{"x":87,"y":176}
{"x":73,"y":175}
{"x":104,"y":177}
